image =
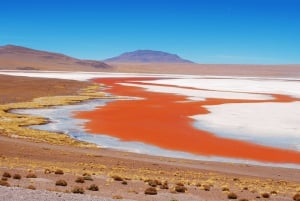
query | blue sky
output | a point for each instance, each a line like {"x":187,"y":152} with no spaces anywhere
{"x":205,"y":31}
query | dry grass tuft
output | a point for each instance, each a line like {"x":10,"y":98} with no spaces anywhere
{"x":225,"y":189}
{"x":265,"y":195}
{"x":47,"y":171}
{"x":151,"y":191}
{"x":124,"y":182}
{"x":6,"y":174}
{"x":17,"y":176}
{"x":31,"y":175}
{"x":243,"y":199}
{"x":117,"y":178}
{"x":78,"y":190}
{"x":88,"y":178}
{"x":4,"y":183}
{"x":61,"y":182}
{"x":59,"y":171}
{"x":117,"y":197}
{"x":206,"y":187}
{"x":31,"y":187}
{"x":79,"y":180}
{"x":231,"y":195}
{"x":180,"y":189}
{"x":93,"y":187}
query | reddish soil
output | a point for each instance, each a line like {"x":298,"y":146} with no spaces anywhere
{"x":163,"y":120}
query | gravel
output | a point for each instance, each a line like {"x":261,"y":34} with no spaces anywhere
{"x":17,"y":194}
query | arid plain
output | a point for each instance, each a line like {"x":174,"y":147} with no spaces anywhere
{"x":126,"y":175}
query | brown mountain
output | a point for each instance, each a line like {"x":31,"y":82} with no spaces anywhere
{"x":20,"y":58}
{"x":148,"y":56}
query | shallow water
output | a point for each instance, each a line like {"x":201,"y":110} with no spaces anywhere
{"x":61,"y":120}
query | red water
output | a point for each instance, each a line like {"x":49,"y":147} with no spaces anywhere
{"x":161,"y":119}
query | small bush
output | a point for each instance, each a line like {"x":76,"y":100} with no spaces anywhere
{"x":6,"y":174}
{"x":265,"y":195}
{"x":151,"y":191}
{"x":17,"y":176}
{"x":124,"y":182}
{"x":4,"y":183}
{"x":86,"y":174}
{"x":93,"y":187}
{"x":61,"y":182}
{"x":31,"y":187}
{"x":232,"y":196}
{"x":79,"y":180}
{"x":4,"y":179}
{"x":225,"y":189}
{"x":117,"y":178}
{"x":180,"y":189}
{"x":31,"y":175}
{"x":59,"y":171}
{"x":274,"y":192}
{"x":78,"y":190}
{"x":243,"y":199}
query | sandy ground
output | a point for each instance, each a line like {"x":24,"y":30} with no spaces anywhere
{"x":122,"y":175}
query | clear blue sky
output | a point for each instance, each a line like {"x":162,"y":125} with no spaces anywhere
{"x":205,"y":31}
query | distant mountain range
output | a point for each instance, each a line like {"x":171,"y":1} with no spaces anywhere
{"x":21,"y":58}
{"x":148,"y":56}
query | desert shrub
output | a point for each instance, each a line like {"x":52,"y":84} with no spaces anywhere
{"x":245,"y":188}
{"x":198,"y":185}
{"x":4,"y":179}
{"x":4,"y":183}
{"x":231,"y":195}
{"x":31,"y":187}
{"x":117,"y":178}
{"x":274,"y":192}
{"x":225,"y":189}
{"x":265,"y":195}
{"x":86,"y":174}
{"x":6,"y":174}
{"x":124,"y":182}
{"x":180,"y":189}
{"x":93,"y":187}
{"x":31,"y":175}
{"x":79,"y":180}
{"x":243,"y":199}
{"x":151,"y":191}
{"x":61,"y":182}
{"x":78,"y":190}
{"x":59,"y":171}
{"x":17,"y":176}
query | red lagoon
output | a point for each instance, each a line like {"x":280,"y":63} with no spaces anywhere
{"x":163,"y":120}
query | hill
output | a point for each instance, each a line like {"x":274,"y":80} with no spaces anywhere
{"x":148,"y":56}
{"x":21,"y":58}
